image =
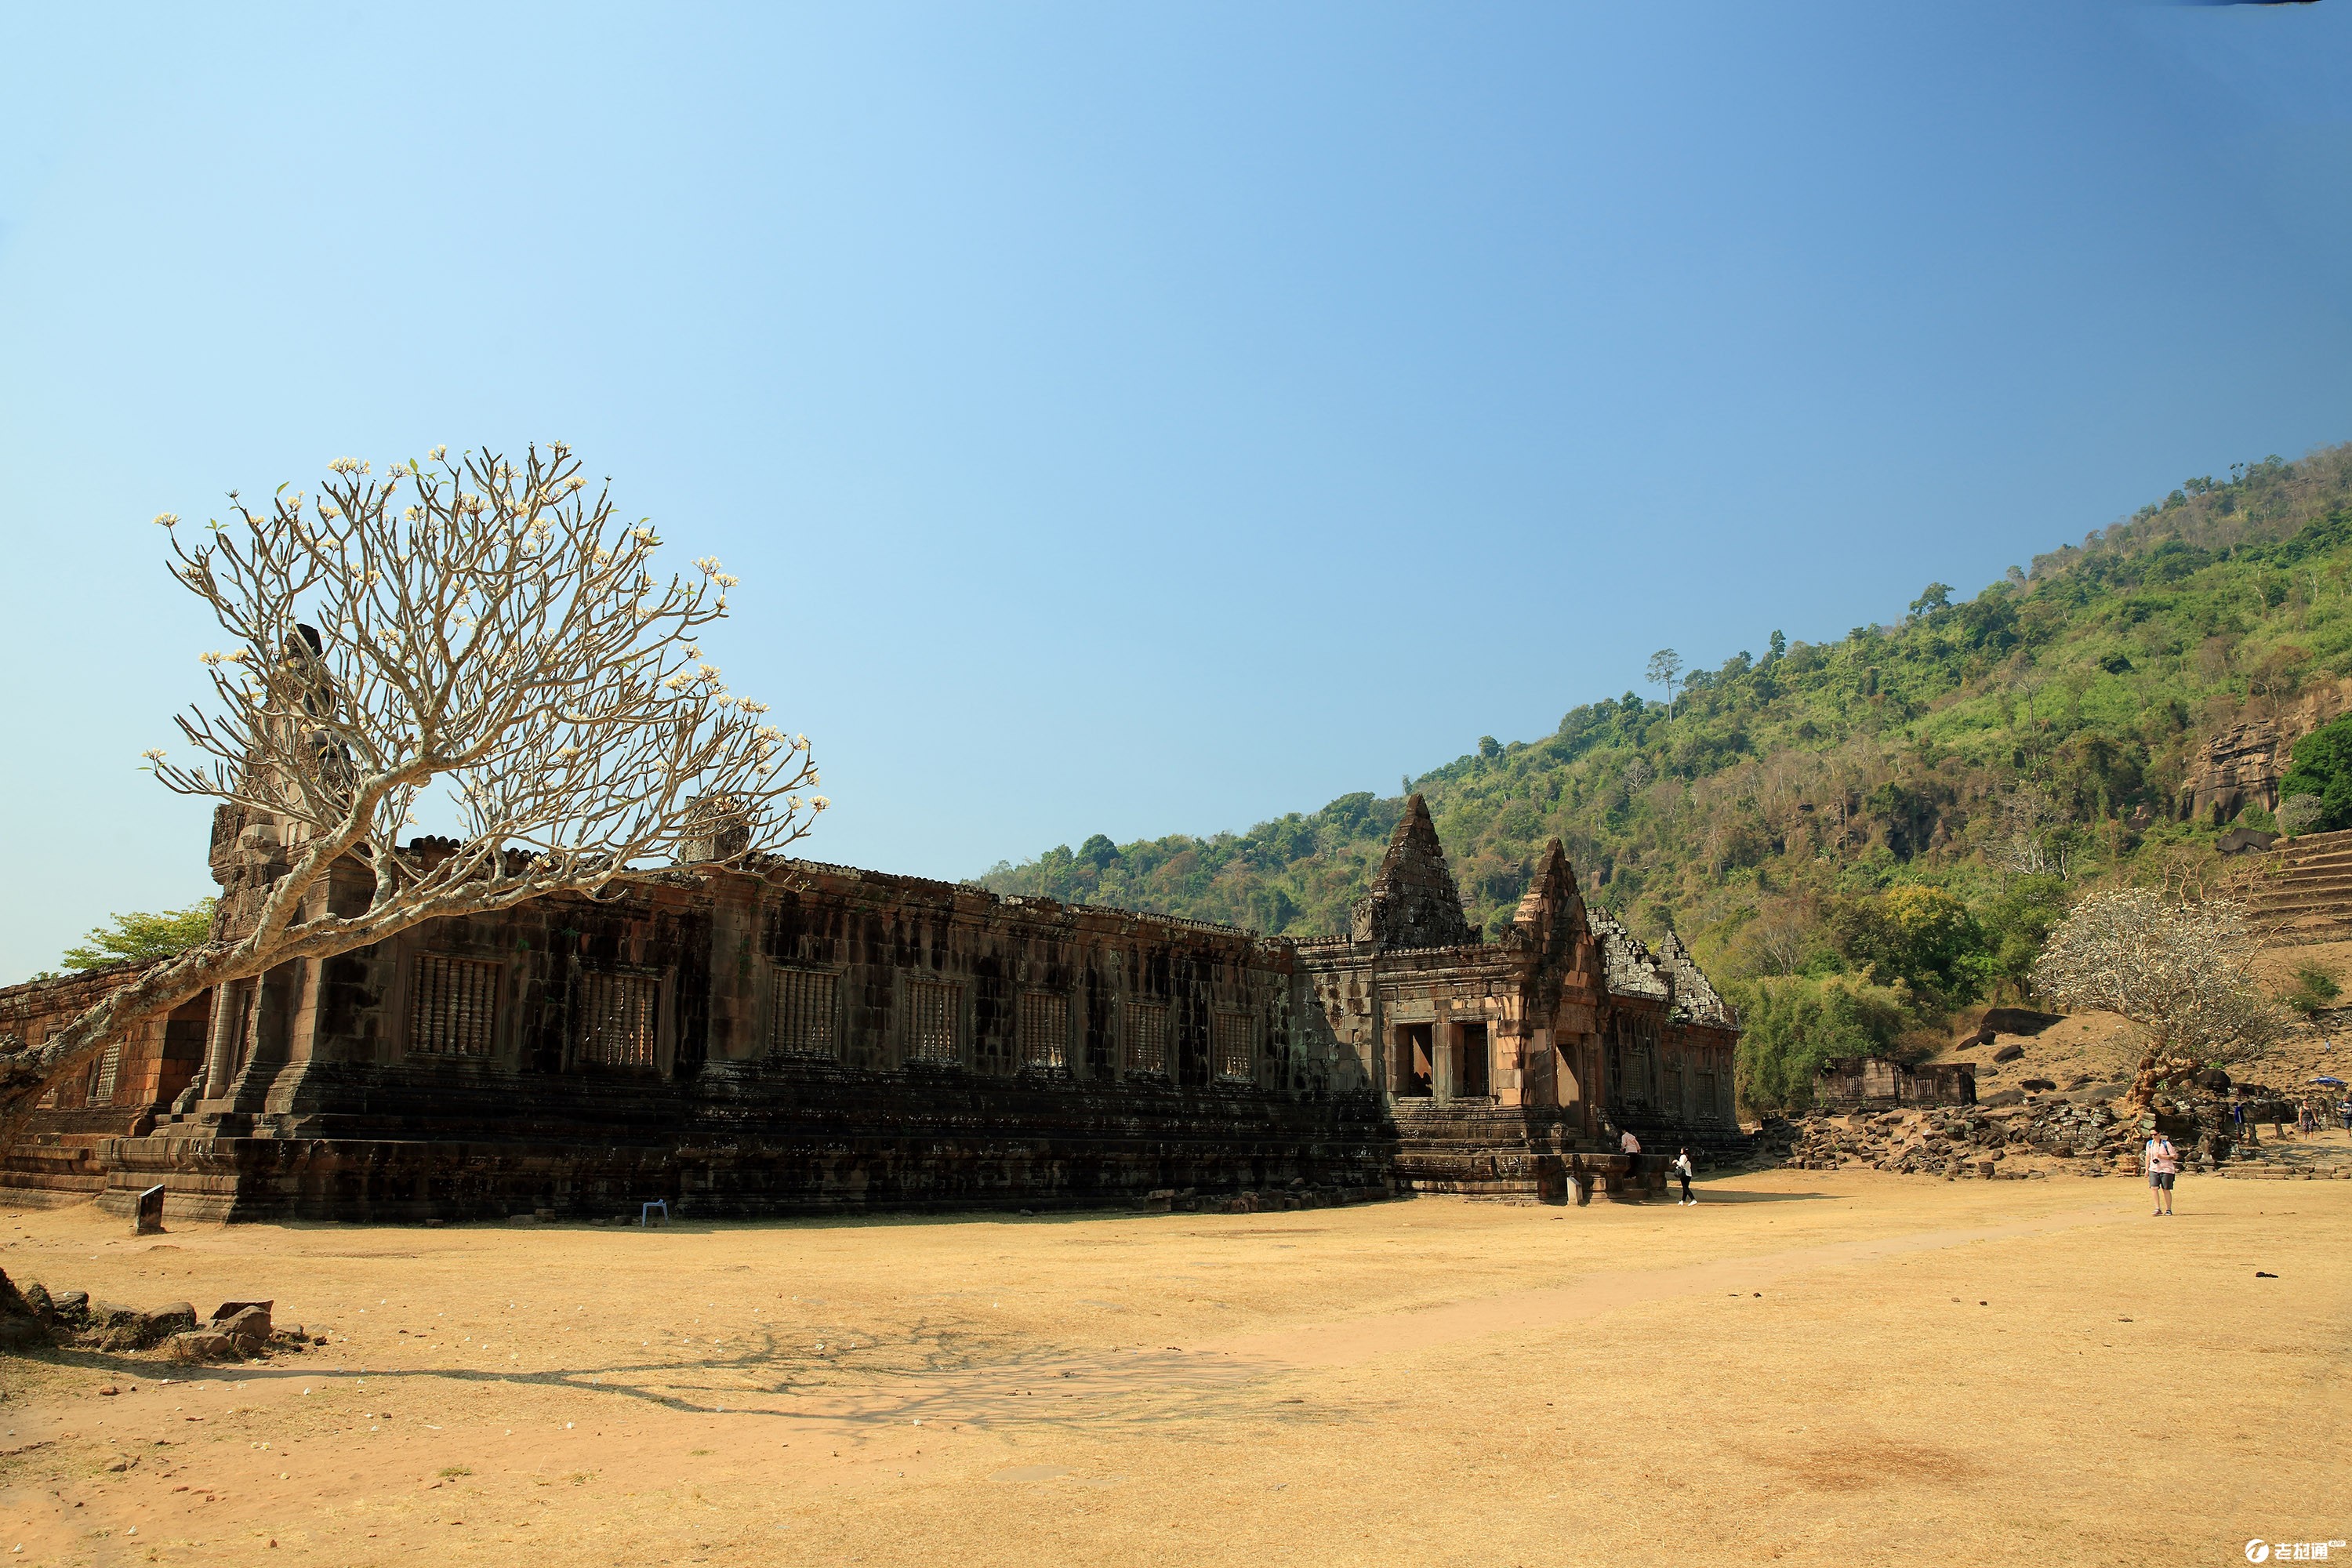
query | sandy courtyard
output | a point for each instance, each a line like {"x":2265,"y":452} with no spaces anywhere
{"x":1807,"y":1367}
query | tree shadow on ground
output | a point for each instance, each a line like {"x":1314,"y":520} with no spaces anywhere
{"x":1707,"y":1195}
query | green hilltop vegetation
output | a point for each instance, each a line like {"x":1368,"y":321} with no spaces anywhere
{"x":1856,"y":836}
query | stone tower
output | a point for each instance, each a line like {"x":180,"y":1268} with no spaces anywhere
{"x":1413,"y":901}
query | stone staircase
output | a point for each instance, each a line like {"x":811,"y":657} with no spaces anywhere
{"x":1474,"y":1148}
{"x":2304,"y":889}
{"x":2326,"y":1156}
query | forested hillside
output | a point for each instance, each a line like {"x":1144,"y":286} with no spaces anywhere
{"x":1906,"y":807}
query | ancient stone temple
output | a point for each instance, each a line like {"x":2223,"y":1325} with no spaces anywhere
{"x":805,"y":1038}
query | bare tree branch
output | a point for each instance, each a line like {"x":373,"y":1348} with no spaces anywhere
{"x":492,"y":631}
{"x":2180,"y":968}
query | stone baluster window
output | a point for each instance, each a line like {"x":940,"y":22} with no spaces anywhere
{"x":1147,"y":1038}
{"x":1229,"y":1038}
{"x":1045,"y":1031}
{"x":110,"y":1067}
{"x":934,"y":1011}
{"x":616,"y":1019}
{"x":452,"y":1006}
{"x":801,"y":1022}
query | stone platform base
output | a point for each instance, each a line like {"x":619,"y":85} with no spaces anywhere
{"x":1515,"y":1154}
{"x":405,"y":1182}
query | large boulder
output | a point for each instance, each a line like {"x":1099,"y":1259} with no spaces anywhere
{"x":247,"y":1328}
{"x":165,"y":1321}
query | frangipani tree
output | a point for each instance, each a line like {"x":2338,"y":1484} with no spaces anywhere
{"x":2180,"y":968}
{"x":484,"y":631}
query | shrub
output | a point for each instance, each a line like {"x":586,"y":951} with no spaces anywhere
{"x":2301,"y":814}
{"x":2315,"y":988}
{"x":2323,"y":769}
{"x":1794,"y":1023}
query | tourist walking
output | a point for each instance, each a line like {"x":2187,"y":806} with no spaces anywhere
{"x":1631,"y":1147}
{"x":2163,"y":1163}
{"x":2306,"y":1123}
{"x":1681,"y":1169}
{"x":2345,"y":1110}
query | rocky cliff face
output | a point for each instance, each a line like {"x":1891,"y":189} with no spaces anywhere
{"x":2242,"y":765}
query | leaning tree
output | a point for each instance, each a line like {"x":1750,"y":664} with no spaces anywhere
{"x":2180,"y":968}
{"x":469,"y":630}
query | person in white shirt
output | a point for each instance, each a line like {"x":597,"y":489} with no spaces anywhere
{"x":2163,"y":1163}
{"x":1681,"y":1169}
{"x":1631,"y":1147}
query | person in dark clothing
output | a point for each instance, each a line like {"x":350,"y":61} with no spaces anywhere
{"x":1682,"y":1168}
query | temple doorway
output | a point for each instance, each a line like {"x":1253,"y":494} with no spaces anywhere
{"x":1415,"y":1063}
{"x":1470,"y":1061}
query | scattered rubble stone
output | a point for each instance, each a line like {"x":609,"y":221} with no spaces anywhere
{"x":36,"y":1316}
{"x":203,"y":1345}
{"x":20,"y":1326}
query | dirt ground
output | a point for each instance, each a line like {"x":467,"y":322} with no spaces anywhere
{"x":1806,"y":1367}
{"x":2107,"y":1049}
{"x":2101,"y":1046}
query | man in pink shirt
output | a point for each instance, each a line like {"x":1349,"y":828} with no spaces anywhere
{"x":2163,"y":1163}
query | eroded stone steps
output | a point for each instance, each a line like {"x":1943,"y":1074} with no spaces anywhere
{"x":2288,"y":876}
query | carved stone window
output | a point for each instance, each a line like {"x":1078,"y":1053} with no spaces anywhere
{"x":934,"y":1013}
{"x":109,"y":1065}
{"x":800,"y":1024}
{"x":1045,"y":1031}
{"x":617,"y":1018}
{"x":452,"y":1006}
{"x":1230,"y":1038}
{"x":1147,"y":1038}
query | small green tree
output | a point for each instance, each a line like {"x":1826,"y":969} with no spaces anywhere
{"x":2323,"y":767}
{"x":139,"y":937}
{"x":2315,"y":988}
{"x":1666,"y":670}
{"x":1923,"y":936}
{"x":1790,"y":1026}
{"x":1934,"y":596}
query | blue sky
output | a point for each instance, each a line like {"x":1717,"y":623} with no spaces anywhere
{"x":1141,"y":418}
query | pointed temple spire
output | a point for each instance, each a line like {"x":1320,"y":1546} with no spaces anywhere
{"x":1413,"y":901}
{"x":1551,"y":911}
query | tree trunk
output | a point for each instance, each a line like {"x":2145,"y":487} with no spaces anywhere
{"x":2157,"y":1068}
